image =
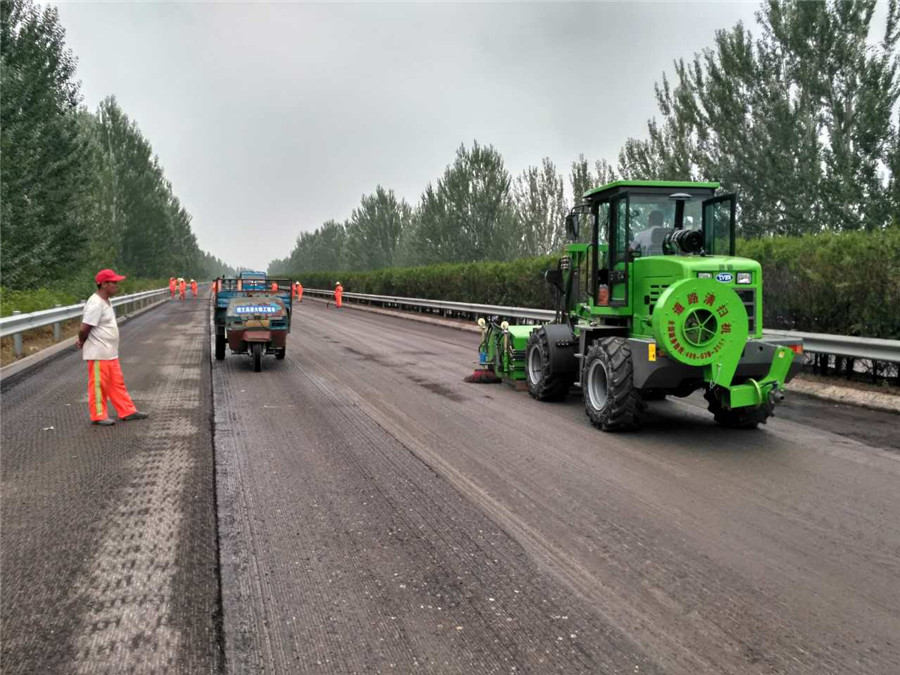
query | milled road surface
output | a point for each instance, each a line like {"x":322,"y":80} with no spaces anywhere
{"x":376,"y":513}
{"x":108,"y":540}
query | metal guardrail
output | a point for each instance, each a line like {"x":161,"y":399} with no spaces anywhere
{"x":445,"y":306}
{"x":18,"y":323}
{"x":874,"y":349}
{"x":822,"y":343}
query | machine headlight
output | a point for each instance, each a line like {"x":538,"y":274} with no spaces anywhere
{"x":704,"y":275}
{"x":744,"y":278}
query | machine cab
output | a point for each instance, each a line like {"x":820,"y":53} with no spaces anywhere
{"x":634,"y":220}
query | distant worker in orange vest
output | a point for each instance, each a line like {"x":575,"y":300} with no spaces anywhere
{"x":193,"y":288}
{"x":338,"y":294}
{"x":172,"y":287}
{"x":183,"y":289}
{"x":298,"y":291}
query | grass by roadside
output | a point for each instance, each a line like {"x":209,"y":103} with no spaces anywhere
{"x":35,"y":340}
{"x":65,"y":293}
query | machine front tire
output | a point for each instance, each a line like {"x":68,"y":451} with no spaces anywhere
{"x":737,"y":418}
{"x":543,"y":384}
{"x":257,"y":356}
{"x":220,"y":347}
{"x":607,"y":382}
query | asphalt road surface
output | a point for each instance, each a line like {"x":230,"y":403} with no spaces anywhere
{"x":108,"y":543}
{"x":375,"y":513}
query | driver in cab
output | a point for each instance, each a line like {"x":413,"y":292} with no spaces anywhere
{"x":649,"y":241}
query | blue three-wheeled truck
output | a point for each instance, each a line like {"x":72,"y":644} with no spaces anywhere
{"x":252,"y":316}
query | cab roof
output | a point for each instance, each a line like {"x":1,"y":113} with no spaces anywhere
{"x":621,"y":185}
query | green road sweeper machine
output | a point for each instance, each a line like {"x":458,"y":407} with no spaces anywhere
{"x":650,"y":302}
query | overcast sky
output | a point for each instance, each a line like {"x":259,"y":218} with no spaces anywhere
{"x":270,"y":119}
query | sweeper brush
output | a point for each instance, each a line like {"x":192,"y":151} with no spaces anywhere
{"x":482,"y":376}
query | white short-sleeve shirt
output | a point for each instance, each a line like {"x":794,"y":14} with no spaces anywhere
{"x":103,"y":340}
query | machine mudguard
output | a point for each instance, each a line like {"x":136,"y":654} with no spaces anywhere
{"x":563,"y":345}
{"x":654,"y":369}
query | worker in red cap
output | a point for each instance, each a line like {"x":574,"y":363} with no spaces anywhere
{"x":172,"y":287}
{"x":98,"y":339}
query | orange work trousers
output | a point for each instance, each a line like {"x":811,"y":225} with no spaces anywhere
{"x":182,"y":294}
{"x":338,"y":297}
{"x":194,"y":290}
{"x":172,"y":291}
{"x":105,"y":383}
{"x":298,"y":293}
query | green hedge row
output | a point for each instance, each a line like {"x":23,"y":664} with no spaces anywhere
{"x":511,"y":283}
{"x":66,"y":294}
{"x":846,"y":283}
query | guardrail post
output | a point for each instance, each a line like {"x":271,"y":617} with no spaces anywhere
{"x":57,"y":328}
{"x":17,"y":338}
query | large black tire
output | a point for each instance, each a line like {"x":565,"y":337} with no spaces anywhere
{"x":607,"y":382}
{"x":257,"y":356}
{"x":543,"y":383}
{"x":281,"y":353}
{"x":738,"y":418}
{"x":220,"y":347}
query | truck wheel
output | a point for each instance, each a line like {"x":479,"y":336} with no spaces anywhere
{"x":281,"y":353}
{"x":257,"y":356}
{"x":607,"y":383}
{"x":220,"y":347}
{"x":737,"y":418}
{"x":543,"y":384}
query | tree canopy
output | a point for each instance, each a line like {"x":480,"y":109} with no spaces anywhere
{"x":80,"y":190}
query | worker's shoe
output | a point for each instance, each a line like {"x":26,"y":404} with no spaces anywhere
{"x":104,"y":423}
{"x":136,"y":415}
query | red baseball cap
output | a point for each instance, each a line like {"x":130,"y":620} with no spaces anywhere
{"x":107,"y":275}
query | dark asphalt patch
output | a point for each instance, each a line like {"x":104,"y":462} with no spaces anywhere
{"x":109,"y":555}
{"x":343,"y":551}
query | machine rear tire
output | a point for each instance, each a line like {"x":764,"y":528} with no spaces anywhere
{"x":739,"y":418}
{"x":220,"y":347}
{"x":281,"y":353}
{"x":607,"y":383}
{"x":257,"y":356}
{"x":543,"y":384}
